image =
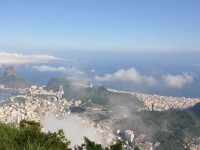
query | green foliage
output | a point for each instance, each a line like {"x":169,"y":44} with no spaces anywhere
{"x":77,"y":109}
{"x":7,"y":135}
{"x":172,"y":127}
{"x":169,"y":140}
{"x":30,"y":137}
{"x":90,"y":145}
{"x":117,"y":146}
{"x":54,"y":84}
{"x":136,"y":148}
{"x":97,"y":94}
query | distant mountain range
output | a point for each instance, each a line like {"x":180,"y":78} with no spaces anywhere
{"x":11,"y":80}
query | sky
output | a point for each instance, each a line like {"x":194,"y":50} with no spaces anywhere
{"x":100,"y":25}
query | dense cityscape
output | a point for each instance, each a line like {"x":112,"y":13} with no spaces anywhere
{"x":36,"y":103}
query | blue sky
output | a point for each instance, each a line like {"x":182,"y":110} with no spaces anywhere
{"x":115,"y":25}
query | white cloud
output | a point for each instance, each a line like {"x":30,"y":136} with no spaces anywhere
{"x":74,"y":127}
{"x":71,"y":71}
{"x":130,"y":74}
{"x":45,"y":68}
{"x":7,"y":58}
{"x":74,"y":71}
{"x":177,"y":81}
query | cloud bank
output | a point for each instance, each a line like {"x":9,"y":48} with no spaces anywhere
{"x":73,"y":74}
{"x":129,"y":75}
{"x":177,"y":81}
{"x":7,"y":58}
{"x":45,"y":68}
{"x":71,"y":71}
{"x":132,"y":75}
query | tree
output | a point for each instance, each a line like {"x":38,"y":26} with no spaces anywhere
{"x":31,"y":133}
{"x":89,"y":145}
{"x":117,"y":146}
{"x":136,"y":148}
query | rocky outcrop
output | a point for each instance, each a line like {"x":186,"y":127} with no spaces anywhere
{"x":11,"y":80}
{"x":10,"y":71}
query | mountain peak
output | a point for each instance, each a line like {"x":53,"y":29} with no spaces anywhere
{"x":11,"y":80}
{"x":10,"y":71}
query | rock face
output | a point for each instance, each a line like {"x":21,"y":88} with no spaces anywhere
{"x":10,"y":71}
{"x":11,"y":80}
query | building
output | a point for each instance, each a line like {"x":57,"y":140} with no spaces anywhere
{"x":61,"y":89}
{"x":130,"y":135}
{"x":77,"y":102}
{"x":59,"y":95}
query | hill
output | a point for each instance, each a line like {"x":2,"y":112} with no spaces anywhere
{"x":11,"y":80}
{"x":97,"y":94}
{"x":196,"y":108}
{"x":174,"y":129}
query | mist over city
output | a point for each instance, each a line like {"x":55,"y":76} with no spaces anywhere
{"x":99,"y":75}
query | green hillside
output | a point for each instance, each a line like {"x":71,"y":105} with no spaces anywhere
{"x":171,"y":128}
{"x":97,"y":94}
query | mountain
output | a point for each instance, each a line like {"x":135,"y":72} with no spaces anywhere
{"x":196,"y":108}
{"x":54,"y":84}
{"x":11,"y":80}
{"x":10,"y":71}
{"x":97,"y":94}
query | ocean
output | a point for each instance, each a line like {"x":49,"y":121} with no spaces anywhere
{"x":175,"y":74}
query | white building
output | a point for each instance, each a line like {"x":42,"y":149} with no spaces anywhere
{"x":130,"y":135}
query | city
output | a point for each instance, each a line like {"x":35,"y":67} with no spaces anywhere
{"x":36,"y":103}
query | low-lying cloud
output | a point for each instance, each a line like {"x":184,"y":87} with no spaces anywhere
{"x":7,"y":58}
{"x":74,"y":127}
{"x":71,"y":71}
{"x":129,"y":75}
{"x":74,"y":74}
{"x":45,"y":68}
{"x":177,"y":81}
{"x":132,"y":75}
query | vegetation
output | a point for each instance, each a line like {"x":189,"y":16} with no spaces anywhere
{"x":90,"y":145}
{"x":97,"y":94}
{"x":196,"y":109}
{"x":29,"y":137}
{"x":77,"y":109}
{"x":54,"y":84}
{"x":171,"y":128}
